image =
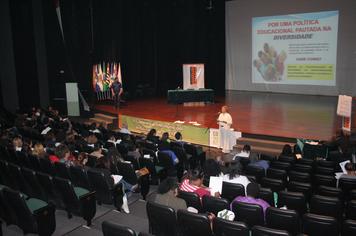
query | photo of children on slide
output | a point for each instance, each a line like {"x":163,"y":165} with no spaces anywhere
{"x":270,"y":64}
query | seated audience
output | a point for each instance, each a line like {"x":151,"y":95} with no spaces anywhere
{"x":193,"y":182}
{"x":39,"y":151}
{"x":164,"y":143}
{"x":253,"y":190}
{"x":233,"y":176}
{"x":351,"y":173}
{"x":287,"y":151}
{"x":167,"y":193}
{"x":246,"y":153}
{"x":152,"y":136}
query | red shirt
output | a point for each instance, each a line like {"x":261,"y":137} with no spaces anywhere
{"x":187,"y":187}
{"x":53,"y":158}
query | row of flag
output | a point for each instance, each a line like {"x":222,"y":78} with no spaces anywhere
{"x":104,"y":74}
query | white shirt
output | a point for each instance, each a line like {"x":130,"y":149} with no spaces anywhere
{"x":225,"y":120}
{"x":241,"y":179}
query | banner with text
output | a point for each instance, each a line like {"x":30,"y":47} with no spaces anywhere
{"x":295,"y":49}
{"x":190,"y":133}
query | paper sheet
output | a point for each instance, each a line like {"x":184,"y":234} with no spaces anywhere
{"x":215,"y":184}
{"x":342,"y":165}
{"x":117,"y":178}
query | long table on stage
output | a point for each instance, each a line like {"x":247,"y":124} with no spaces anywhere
{"x":180,"y":96}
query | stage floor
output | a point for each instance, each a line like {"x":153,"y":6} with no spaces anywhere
{"x":281,"y":115}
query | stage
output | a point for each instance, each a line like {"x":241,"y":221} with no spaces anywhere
{"x":270,"y":114}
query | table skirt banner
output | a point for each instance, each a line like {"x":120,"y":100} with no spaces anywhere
{"x":192,"y":134}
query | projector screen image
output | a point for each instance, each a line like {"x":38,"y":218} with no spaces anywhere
{"x":295,"y":49}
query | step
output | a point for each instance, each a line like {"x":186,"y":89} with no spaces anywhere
{"x":263,"y":150}
{"x":263,"y":143}
{"x":105,"y":117}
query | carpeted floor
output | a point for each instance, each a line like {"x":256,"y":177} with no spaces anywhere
{"x":137,"y":219}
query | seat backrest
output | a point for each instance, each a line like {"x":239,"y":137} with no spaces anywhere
{"x":36,"y":189}
{"x":281,"y":165}
{"x":348,"y":228}
{"x":277,"y":174}
{"x":15,"y":173}
{"x":275,"y":185}
{"x":79,"y":177}
{"x":293,"y":200}
{"x":328,"y":206}
{"x":24,"y":217}
{"x":127,"y":171}
{"x":299,"y":176}
{"x":231,"y":190}
{"x":304,"y":188}
{"x":46,"y":182}
{"x":289,"y":159}
{"x":351,"y":210}
{"x":100,"y":185}
{"x":303,"y":168}
{"x":325,"y":180}
{"x":47,"y":167}
{"x":62,"y":170}
{"x":325,"y":163}
{"x":213,"y":204}
{"x":264,"y":231}
{"x":347,"y":184}
{"x":66,"y":191}
{"x":113,"y":229}
{"x":223,"y":227}
{"x":267,"y":195}
{"x":251,"y":214}
{"x":324,"y":170}
{"x":162,"y":219}
{"x":192,"y":224}
{"x":283,"y":219}
{"x":257,"y":171}
{"x":330,"y":192}
{"x":314,"y":225}
{"x":5,"y":175}
{"x":305,"y":161}
{"x":192,"y":200}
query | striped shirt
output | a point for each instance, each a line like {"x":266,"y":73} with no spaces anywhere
{"x":187,"y":187}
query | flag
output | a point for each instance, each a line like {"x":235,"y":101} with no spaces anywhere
{"x":119,"y":73}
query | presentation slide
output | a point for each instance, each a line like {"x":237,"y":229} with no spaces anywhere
{"x":296,"y":49}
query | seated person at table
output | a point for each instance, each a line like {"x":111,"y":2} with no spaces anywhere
{"x":253,"y":190}
{"x":233,"y":176}
{"x":167,"y":193}
{"x":193,"y":182}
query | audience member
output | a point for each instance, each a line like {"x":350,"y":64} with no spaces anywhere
{"x":233,"y":176}
{"x":167,"y":193}
{"x":193,"y":182}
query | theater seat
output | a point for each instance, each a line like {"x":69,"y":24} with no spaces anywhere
{"x":267,"y":195}
{"x":192,"y":200}
{"x":324,"y":180}
{"x":62,"y":170}
{"x":347,"y":185}
{"x":277,"y":174}
{"x":251,"y":214}
{"x":351,"y":210}
{"x":283,"y":219}
{"x":232,"y":190}
{"x":304,"y":188}
{"x":213,"y":204}
{"x":293,"y":200}
{"x":35,"y":187}
{"x":264,"y":231}
{"x":112,"y":229}
{"x":324,"y":170}
{"x":275,"y":185}
{"x":77,"y":200}
{"x":288,"y":159}
{"x":79,"y":177}
{"x":162,"y":219}
{"x":281,"y":165}
{"x":299,"y":176}
{"x":193,"y":224}
{"x":257,"y":171}
{"x":330,"y":192}
{"x":316,"y":225}
{"x":303,"y":168}
{"x":229,"y":228}
{"x":105,"y":192}
{"x":32,"y":215}
{"x":349,"y":228}
{"x":328,"y":206}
